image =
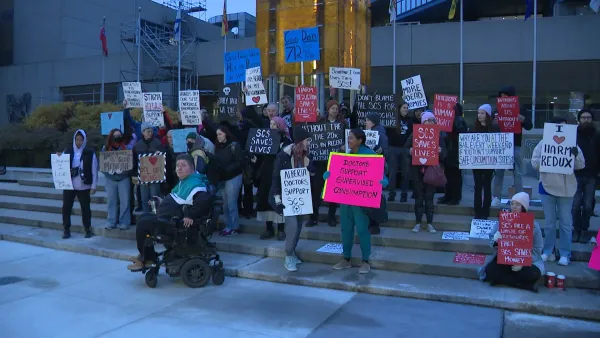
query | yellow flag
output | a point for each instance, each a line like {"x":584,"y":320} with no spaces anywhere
{"x":452,"y":10}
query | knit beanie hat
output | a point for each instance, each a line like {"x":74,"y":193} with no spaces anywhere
{"x":300,"y":134}
{"x":373,"y":117}
{"x":146,"y":125}
{"x":332,"y":103}
{"x":191,"y":135}
{"x":426,"y":116}
{"x":487,"y":108}
{"x":522,"y":198}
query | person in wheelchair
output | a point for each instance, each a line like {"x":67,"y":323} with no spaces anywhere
{"x":188,"y":201}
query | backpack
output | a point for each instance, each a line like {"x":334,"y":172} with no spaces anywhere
{"x":209,"y":166}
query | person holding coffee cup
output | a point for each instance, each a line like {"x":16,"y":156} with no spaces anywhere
{"x":522,"y":277}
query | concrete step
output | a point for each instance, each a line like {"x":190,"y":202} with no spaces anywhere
{"x":17,"y":190}
{"x":49,"y":183}
{"x":456,"y":290}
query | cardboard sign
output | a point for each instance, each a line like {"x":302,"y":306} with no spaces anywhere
{"x":556,"y":149}
{"x":228,"y":103}
{"x":481,"y":228}
{"x":153,"y":109}
{"x":372,"y":139}
{"x":344,"y":78}
{"x":443,"y":109}
{"x":595,"y":259}
{"x":332,"y":248}
{"x":263,"y":141}
{"x":517,"y":238}
{"x":413,"y":92}
{"x":132,"y":91}
{"x":255,"y":89}
{"x":426,"y":143}
{"x":237,"y":62}
{"x":151,"y":168}
{"x":326,"y":138}
{"x":110,"y":121}
{"x":295,"y":192}
{"x":116,"y":161}
{"x":455,"y":235}
{"x":180,"y":139}
{"x":306,"y":104}
{"x":189,"y":107}
{"x":508,"y":114}
{"x":302,"y":45}
{"x":354,"y":180}
{"x":61,"y":171}
{"x":486,"y":150}
{"x":469,"y":258}
{"x":382,"y":105}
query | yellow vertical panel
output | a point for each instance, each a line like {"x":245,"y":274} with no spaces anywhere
{"x":332,"y":44}
{"x":262,"y":34}
{"x":293,"y":14}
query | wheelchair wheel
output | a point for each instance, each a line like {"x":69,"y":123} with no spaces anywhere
{"x":195,"y":273}
{"x":218,"y":276}
{"x":151,"y":278}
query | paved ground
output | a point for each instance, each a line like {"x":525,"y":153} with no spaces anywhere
{"x":49,"y":293}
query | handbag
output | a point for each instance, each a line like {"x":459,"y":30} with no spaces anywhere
{"x":434,"y":175}
{"x":379,"y":215}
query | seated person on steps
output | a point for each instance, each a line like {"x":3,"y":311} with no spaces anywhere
{"x":191,"y":191}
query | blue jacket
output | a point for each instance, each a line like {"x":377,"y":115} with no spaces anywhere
{"x":137,"y":126}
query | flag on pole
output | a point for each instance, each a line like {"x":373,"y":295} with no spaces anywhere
{"x":103,"y":39}
{"x":528,"y":9}
{"x":452,"y":10}
{"x":225,"y":23}
{"x":177,"y":27}
{"x":595,"y":5}
{"x":393,"y":10}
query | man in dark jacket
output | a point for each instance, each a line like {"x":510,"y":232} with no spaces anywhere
{"x":499,"y":178}
{"x":396,"y":155}
{"x":451,"y":168}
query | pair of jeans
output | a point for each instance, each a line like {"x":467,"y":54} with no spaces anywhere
{"x":423,"y":199}
{"x":148,"y":191}
{"x":148,"y":224}
{"x":316,"y":188}
{"x":83,"y":196}
{"x":503,"y":274}
{"x":483,"y":183}
{"x":564,"y":204}
{"x":230,"y":191}
{"x":583,"y":203}
{"x":453,"y":190}
{"x":354,"y":217}
{"x":119,"y":195}
{"x":398,"y":158}
{"x":293,"y":226}
{"x":518,"y":182}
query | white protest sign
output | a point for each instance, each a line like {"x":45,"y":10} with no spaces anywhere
{"x":255,"y":89}
{"x":556,"y":148}
{"x":61,"y":171}
{"x":295,"y":188}
{"x":413,"y":92}
{"x":153,"y":109}
{"x":335,"y":248}
{"x":344,"y":78}
{"x":486,"y":150}
{"x":455,"y":235}
{"x":189,"y":107}
{"x":133,"y":94}
{"x":480,"y":228}
{"x":372,"y":139}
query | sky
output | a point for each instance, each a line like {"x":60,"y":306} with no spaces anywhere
{"x":215,"y":7}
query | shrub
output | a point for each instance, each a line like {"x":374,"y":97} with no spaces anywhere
{"x":51,"y":116}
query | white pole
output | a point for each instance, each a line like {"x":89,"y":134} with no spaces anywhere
{"x":394,"y":64}
{"x":225,"y":51}
{"x":533,"y":98}
{"x":302,"y":71}
{"x":462,"y":70}
{"x":139,"y":35}
{"x":179,"y":54}
{"x":103,"y":57}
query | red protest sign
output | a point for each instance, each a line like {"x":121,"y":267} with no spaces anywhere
{"x":517,"y":238}
{"x":306,"y":104}
{"x":426,"y":142}
{"x":443,"y":109}
{"x":508,"y":114}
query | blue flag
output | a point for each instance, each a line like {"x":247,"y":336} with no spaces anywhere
{"x":528,"y":9}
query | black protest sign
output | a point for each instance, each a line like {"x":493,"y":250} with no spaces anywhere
{"x":381,"y":104}
{"x":229,"y":98}
{"x":263,"y":141}
{"x":326,"y":138}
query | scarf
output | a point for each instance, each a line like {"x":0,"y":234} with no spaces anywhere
{"x":184,"y":191}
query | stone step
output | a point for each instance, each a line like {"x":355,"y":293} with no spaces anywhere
{"x":49,"y":183}
{"x":17,"y":190}
{"x":390,"y":283}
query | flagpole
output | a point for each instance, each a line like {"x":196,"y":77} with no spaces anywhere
{"x":179,"y":53}
{"x":394,"y":51}
{"x":462,"y":70}
{"x":103,"y":57}
{"x":224,"y":51}
{"x":533,"y":96}
{"x":139,"y":35}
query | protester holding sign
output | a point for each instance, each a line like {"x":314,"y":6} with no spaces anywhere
{"x":372,"y":123}
{"x":288,"y":110}
{"x":453,"y":191}
{"x":147,"y":145}
{"x":557,"y":191}
{"x":117,"y":185}
{"x":519,"y":276}
{"x":398,"y":156}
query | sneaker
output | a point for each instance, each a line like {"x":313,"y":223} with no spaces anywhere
{"x":267,"y":234}
{"x":343,"y":264}
{"x":332,"y":222}
{"x":123,"y":227}
{"x":228,"y":232}
{"x":88,"y":234}
{"x":550,"y":258}
{"x":311,"y":223}
{"x":563,"y":261}
{"x":593,"y":241}
{"x":281,"y":236}
{"x":298,"y":261}
{"x":290,"y":264}
{"x":137,"y":265}
{"x":495,"y":202}
{"x":403,"y":197}
{"x":66,"y":234}
{"x":431,"y":229}
{"x":375,"y":230}
{"x":110,"y":227}
{"x":391,"y":197}
{"x":443,"y":200}
{"x":417,"y":228}
{"x":364,"y":268}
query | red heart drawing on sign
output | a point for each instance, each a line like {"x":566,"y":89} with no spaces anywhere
{"x":109,"y":116}
{"x":256,"y":99}
{"x":153,"y":160}
{"x":558,"y":140}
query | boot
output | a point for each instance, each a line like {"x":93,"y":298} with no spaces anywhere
{"x":404,"y":197}
{"x":576,"y":236}
{"x":66,"y":234}
{"x":391,"y":196}
{"x":269,"y":232}
{"x":443,"y":200}
{"x":88,"y":233}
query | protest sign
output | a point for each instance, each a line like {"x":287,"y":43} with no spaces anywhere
{"x":480,"y":228}
{"x":556,"y":148}
{"x":306,"y":104}
{"x":151,"y":168}
{"x":263,"y":141}
{"x":469,"y":258}
{"x":455,"y":235}
{"x":180,"y":139}
{"x":237,"y":62}
{"x":153,"y":109}
{"x":61,"y":171}
{"x":508,"y":114}
{"x":413,"y":92}
{"x":189,"y":107}
{"x":295,"y":192}
{"x":443,"y":109}
{"x":595,"y":258}
{"x":371,"y":142}
{"x":516,"y":228}
{"x":110,"y":121}
{"x":344,"y":78}
{"x":426,"y":143}
{"x":228,"y":103}
{"x":332,"y":248}
{"x":116,"y":161}
{"x":486,"y":150}
{"x":354,"y":180}
{"x":302,"y":45}
{"x":255,"y":89}
{"x":382,"y":105}
{"x":326,"y":138}
{"x":132,"y":91}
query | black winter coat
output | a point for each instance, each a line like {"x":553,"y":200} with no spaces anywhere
{"x":265,"y":165}
{"x":460,"y":126}
{"x":230,"y":158}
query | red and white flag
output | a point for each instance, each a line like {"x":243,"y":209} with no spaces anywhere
{"x":103,"y":39}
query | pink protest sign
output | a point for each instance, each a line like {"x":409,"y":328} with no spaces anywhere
{"x":354,"y":179}
{"x":595,"y":259}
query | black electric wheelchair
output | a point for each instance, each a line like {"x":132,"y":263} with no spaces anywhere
{"x":188,"y":253}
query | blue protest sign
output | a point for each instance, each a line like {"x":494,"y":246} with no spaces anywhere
{"x":302,"y":45}
{"x":237,"y":62}
{"x":179,"y":139}
{"x":110,"y":121}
